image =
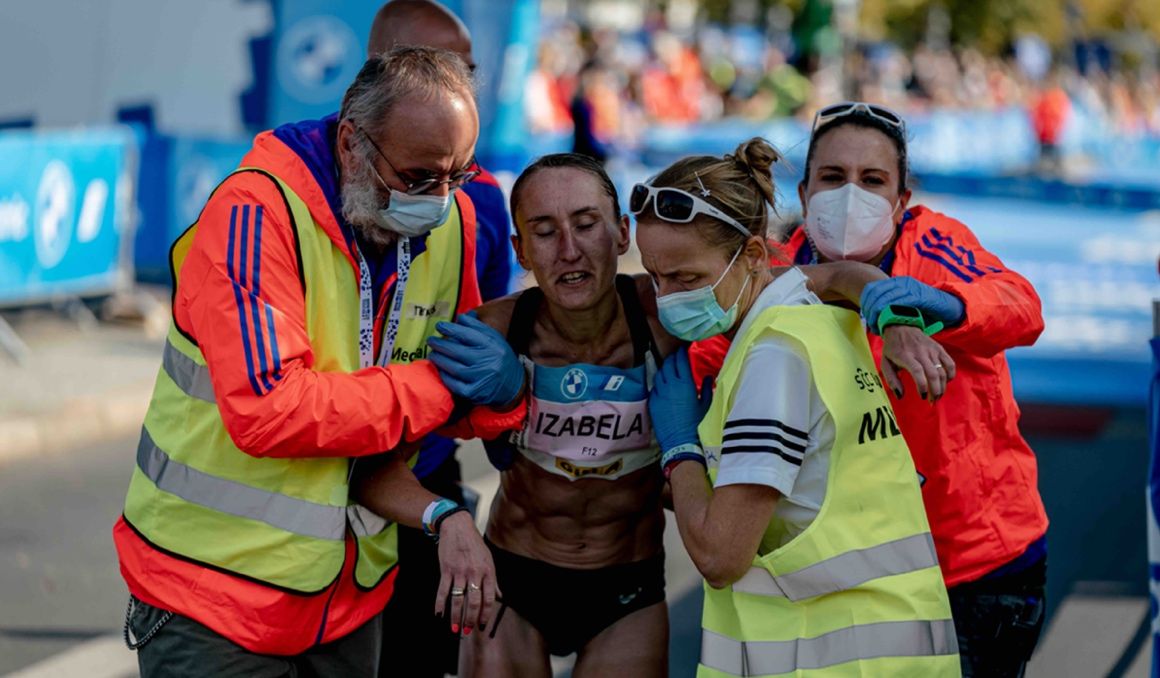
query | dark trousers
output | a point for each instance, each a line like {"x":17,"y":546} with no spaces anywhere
{"x":183,"y":648}
{"x":998,"y":622}
{"x":417,"y":643}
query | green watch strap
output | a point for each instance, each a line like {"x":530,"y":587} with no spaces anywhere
{"x":909,"y":316}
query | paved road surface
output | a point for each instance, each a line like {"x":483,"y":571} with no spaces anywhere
{"x":58,"y":572}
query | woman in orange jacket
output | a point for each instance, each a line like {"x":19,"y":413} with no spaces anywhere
{"x":978,"y":473}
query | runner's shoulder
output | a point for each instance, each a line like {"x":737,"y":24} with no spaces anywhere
{"x":497,"y":313}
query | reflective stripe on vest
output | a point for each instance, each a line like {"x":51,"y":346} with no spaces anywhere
{"x":865,"y":641}
{"x":298,"y":516}
{"x":201,"y":488}
{"x":843,"y":571}
{"x":192,"y":378}
{"x":365,"y":522}
{"x":861,"y":582}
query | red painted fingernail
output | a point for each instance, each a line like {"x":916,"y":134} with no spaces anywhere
{"x":466,"y":631}
{"x":455,"y":628}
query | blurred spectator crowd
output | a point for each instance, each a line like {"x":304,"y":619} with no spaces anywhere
{"x":631,"y":80}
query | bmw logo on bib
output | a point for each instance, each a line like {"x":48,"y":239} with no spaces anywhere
{"x":574,"y":383}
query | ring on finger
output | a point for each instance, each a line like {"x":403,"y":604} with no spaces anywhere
{"x":457,"y":590}
{"x":938,"y":366}
{"x":472,"y":586}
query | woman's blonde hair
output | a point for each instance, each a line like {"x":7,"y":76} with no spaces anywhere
{"x":739,"y":183}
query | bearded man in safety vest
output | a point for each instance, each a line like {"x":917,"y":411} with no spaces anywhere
{"x":303,"y":298}
{"x":419,"y":643}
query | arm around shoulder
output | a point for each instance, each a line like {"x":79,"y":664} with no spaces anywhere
{"x":1001,"y":308}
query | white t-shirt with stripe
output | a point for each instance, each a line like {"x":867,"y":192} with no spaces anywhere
{"x":778,"y":432}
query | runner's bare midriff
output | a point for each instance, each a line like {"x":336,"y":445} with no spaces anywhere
{"x":591,"y":522}
{"x":582,"y":524}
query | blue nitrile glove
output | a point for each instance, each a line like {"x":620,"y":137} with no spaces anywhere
{"x":906,"y":291}
{"x":674,"y":405}
{"x":476,"y":362}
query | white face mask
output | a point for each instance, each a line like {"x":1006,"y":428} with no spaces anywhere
{"x":849,"y":223}
{"x":415,"y":215}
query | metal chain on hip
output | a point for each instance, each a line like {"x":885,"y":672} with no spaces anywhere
{"x":143,"y":640}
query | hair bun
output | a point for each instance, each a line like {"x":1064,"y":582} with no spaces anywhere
{"x":756,"y":157}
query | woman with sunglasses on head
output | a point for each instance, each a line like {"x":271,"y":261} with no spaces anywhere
{"x":808,"y":526}
{"x":576,"y":528}
{"x":980,"y":490}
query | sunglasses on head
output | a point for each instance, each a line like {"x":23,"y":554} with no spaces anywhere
{"x":677,"y":206}
{"x":846,"y":108}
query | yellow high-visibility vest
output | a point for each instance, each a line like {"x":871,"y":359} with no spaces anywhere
{"x":282,"y":522}
{"x":859,"y":592}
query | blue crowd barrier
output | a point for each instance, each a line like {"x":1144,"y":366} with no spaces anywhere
{"x":999,"y":141}
{"x":66,"y":213}
{"x":182,"y":171}
{"x":1041,"y":189}
{"x":973,"y":143}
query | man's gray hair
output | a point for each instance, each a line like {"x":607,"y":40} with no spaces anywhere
{"x":388,"y":78}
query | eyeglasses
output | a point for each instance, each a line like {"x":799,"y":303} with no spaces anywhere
{"x":453,"y":181}
{"x":677,"y":206}
{"x":846,"y":108}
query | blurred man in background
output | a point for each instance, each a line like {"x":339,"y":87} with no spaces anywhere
{"x":422,"y":639}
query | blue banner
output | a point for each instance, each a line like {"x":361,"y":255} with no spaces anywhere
{"x":320,"y":45}
{"x":66,"y":201}
{"x":505,"y":34}
{"x":176,"y":178}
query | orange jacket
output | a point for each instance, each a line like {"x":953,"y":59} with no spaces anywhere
{"x":281,"y":407}
{"x":981,"y":492}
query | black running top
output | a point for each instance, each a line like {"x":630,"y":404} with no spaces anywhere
{"x":523,"y":320}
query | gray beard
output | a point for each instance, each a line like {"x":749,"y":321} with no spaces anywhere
{"x":361,"y":207}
